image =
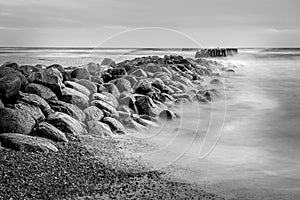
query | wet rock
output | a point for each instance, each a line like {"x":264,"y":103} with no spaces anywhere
{"x":182,"y":96}
{"x":132,"y":124}
{"x":11,"y":64}
{"x":49,"y":131}
{"x":88,"y":84}
{"x":106,"y":97}
{"x":115,"y":125}
{"x":200,"y":98}
{"x":81,"y":73}
{"x":108,"y":110}
{"x":167,"y":115}
{"x":128,"y":100}
{"x":16,"y":121}
{"x":230,"y":70}
{"x":51,"y":77}
{"x":75,"y":97}
{"x":139,"y":73}
{"x":143,"y":87}
{"x":108,"y":61}
{"x":111,"y":88}
{"x":175,"y":89}
{"x":9,"y":85}
{"x":99,"y":129}
{"x":5,"y":71}
{"x":40,"y":90}
{"x":36,"y":101}
{"x":163,"y":88}
{"x":32,"y":110}
{"x":93,"y":113}
{"x":122,"y":85}
{"x":27,"y":143}
{"x":215,"y":81}
{"x":78,"y":87}
{"x":67,"y":124}
{"x":70,"y":109}
{"x":145,"y":105}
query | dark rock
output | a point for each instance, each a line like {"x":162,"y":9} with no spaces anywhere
{"x":114,"y":125}
{"x":27,"y":143}
{"x":32,"y":110}
{"x":75,"y":97}
{"x":81,"y":73}
{"x":78,"y":87}
{"x":128,"y":100}
{"x":67,"y":124}
{"x":106,"y":97}
{"x":167,"y":115}
{"x":123,"y":85}
{"x":111,"y":88}
{"x":57,"y":66}
{"x":108,"y":61}
{"x":143,"y":87}
{"x":182,"y":96}
{"x":11,"y":64}
{"x":9,"y":85}
{"x":40,"y":90}
{"x":215,"y":81}
{"x":139,"y":73}
{"x":230,"y":70}
{"x":145,"y":105}
{"x":200,"y":98}
{"x":93,"y":113}
{"x":99,"y":129}
{"x":93,"y":68}
{"x":70,"y":109}
{"x":16,"y":121}
{"x":108,"y":110}
{"x":117,"y":73}
{"x":5,"y":71}
{"x":27,"y":70}
{"x":49,"y":131}
{"x":50,"y":77}
{"x":88,"y":84}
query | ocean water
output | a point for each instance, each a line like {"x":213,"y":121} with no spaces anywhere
{"x":244,"y":145}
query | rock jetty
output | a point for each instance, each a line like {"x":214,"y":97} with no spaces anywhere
{"x":217,"y":52}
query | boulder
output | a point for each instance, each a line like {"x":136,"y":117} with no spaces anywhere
{"x":75,"y":97}
{"x":88,"y":84}
{"x":200,"y":98}
{"x":167,"y":115}
{"x":151,"y":67}
{"x":108,"y":110}
{"x":93,"y":68}
{"x":16,"y":121}
{"x":27,"y":143}
{"x":117,"y":73}
{"x":115,"y":125}
{"x":9,"y":85}
{"x":131,"y":124}
{"x":78,"y":87}
{"x":57,"y":66}
{"x":27,"y":70}
{"x":122,"y":85}
{"x":108,"y":61}
{"x":70,"y":109}
{"x":99,"y":129}
{"x":131,"y":79}
{"x":215,"y":82}
{"x":51,"y":77}
{"x":40,"y":90}
{"x":36,"y":101}
{"x":1,"y":104}
{"x":49,"y":131}
{"x":11,"y":64}
{"x":128,"y":100}
{"x":67,"y":124}
{"x":143,"y":87}
{"x":81,"y":73}
{"x":93,"y":113}
{"x":139,"y":73}
{"x":5,"y":71}
{"x":145,"y":105}
{"x":182,"y":96}
{"x":34,"y":111}
{"x":106,"y":97}
{"x":111,"y":88}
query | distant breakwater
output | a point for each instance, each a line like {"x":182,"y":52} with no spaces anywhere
{"x":216,"y":52}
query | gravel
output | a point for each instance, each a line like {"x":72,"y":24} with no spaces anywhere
{"x":91,"y":169}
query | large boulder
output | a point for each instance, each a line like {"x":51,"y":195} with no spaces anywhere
{"x":70,"y":109}
{"x":27,"y":143}
{"x":81,"y":73}
{"x":88,"y":84}
{"x":27,"y":70}
{"x":50,"y":77}
{"x":67,"y":124}
{"x":75,"y":97}
{"x":16,"y":121}
{"x":143,"y":87}
{"x":57,"y":66}
{"x":108,"y":61}
{"x":11,"y":64}
{"x":40,"y":90}
{"x":116,"y":73}
{"x":9,"y":85}
{"x":151,"y":67}
{"x":145,"y":105}
{"x":93,"y":113}
{"x":139,"y":73}
{"x":108,"y":110}
{"x":36,"y":101}
{"x":128,"y":100}
{"x":78,"y":87}
{"x":32,"y":110}
{"x":49,"y":131}
{"x":99,"y":129}
{"x":123,"y":85}
{"x":111,"y":88}
{"x":167,"y":115}
{"x":106,"y":97}
{"x":4,"y":71}
{"x":131,"y":79}
{"x":115,"y":125}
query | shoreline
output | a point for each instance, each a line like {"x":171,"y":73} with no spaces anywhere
{"x":95,"y":107}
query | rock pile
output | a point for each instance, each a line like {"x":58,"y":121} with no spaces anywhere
{"x":40,"y":106}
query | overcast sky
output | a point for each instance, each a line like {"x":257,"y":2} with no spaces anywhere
{"x":223,"y":23}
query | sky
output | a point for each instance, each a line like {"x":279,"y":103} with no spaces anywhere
{"x":151,"y":23}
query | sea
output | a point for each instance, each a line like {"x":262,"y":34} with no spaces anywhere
{"x":243,"y":145}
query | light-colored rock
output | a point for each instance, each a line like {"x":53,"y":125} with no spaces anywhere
{"x":93,"y":113}
{"x":111,"y":88}
{"x":40,"y":90}
{"x":108,"y":110}
{"x":88,"y":84}
{"x":106,"y":97}
{"x":99,"y":129}
{"x":49,"y":131}
{"x":115,"y":125}
{"x":78,"y":87}
{"x":75,"y":97}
